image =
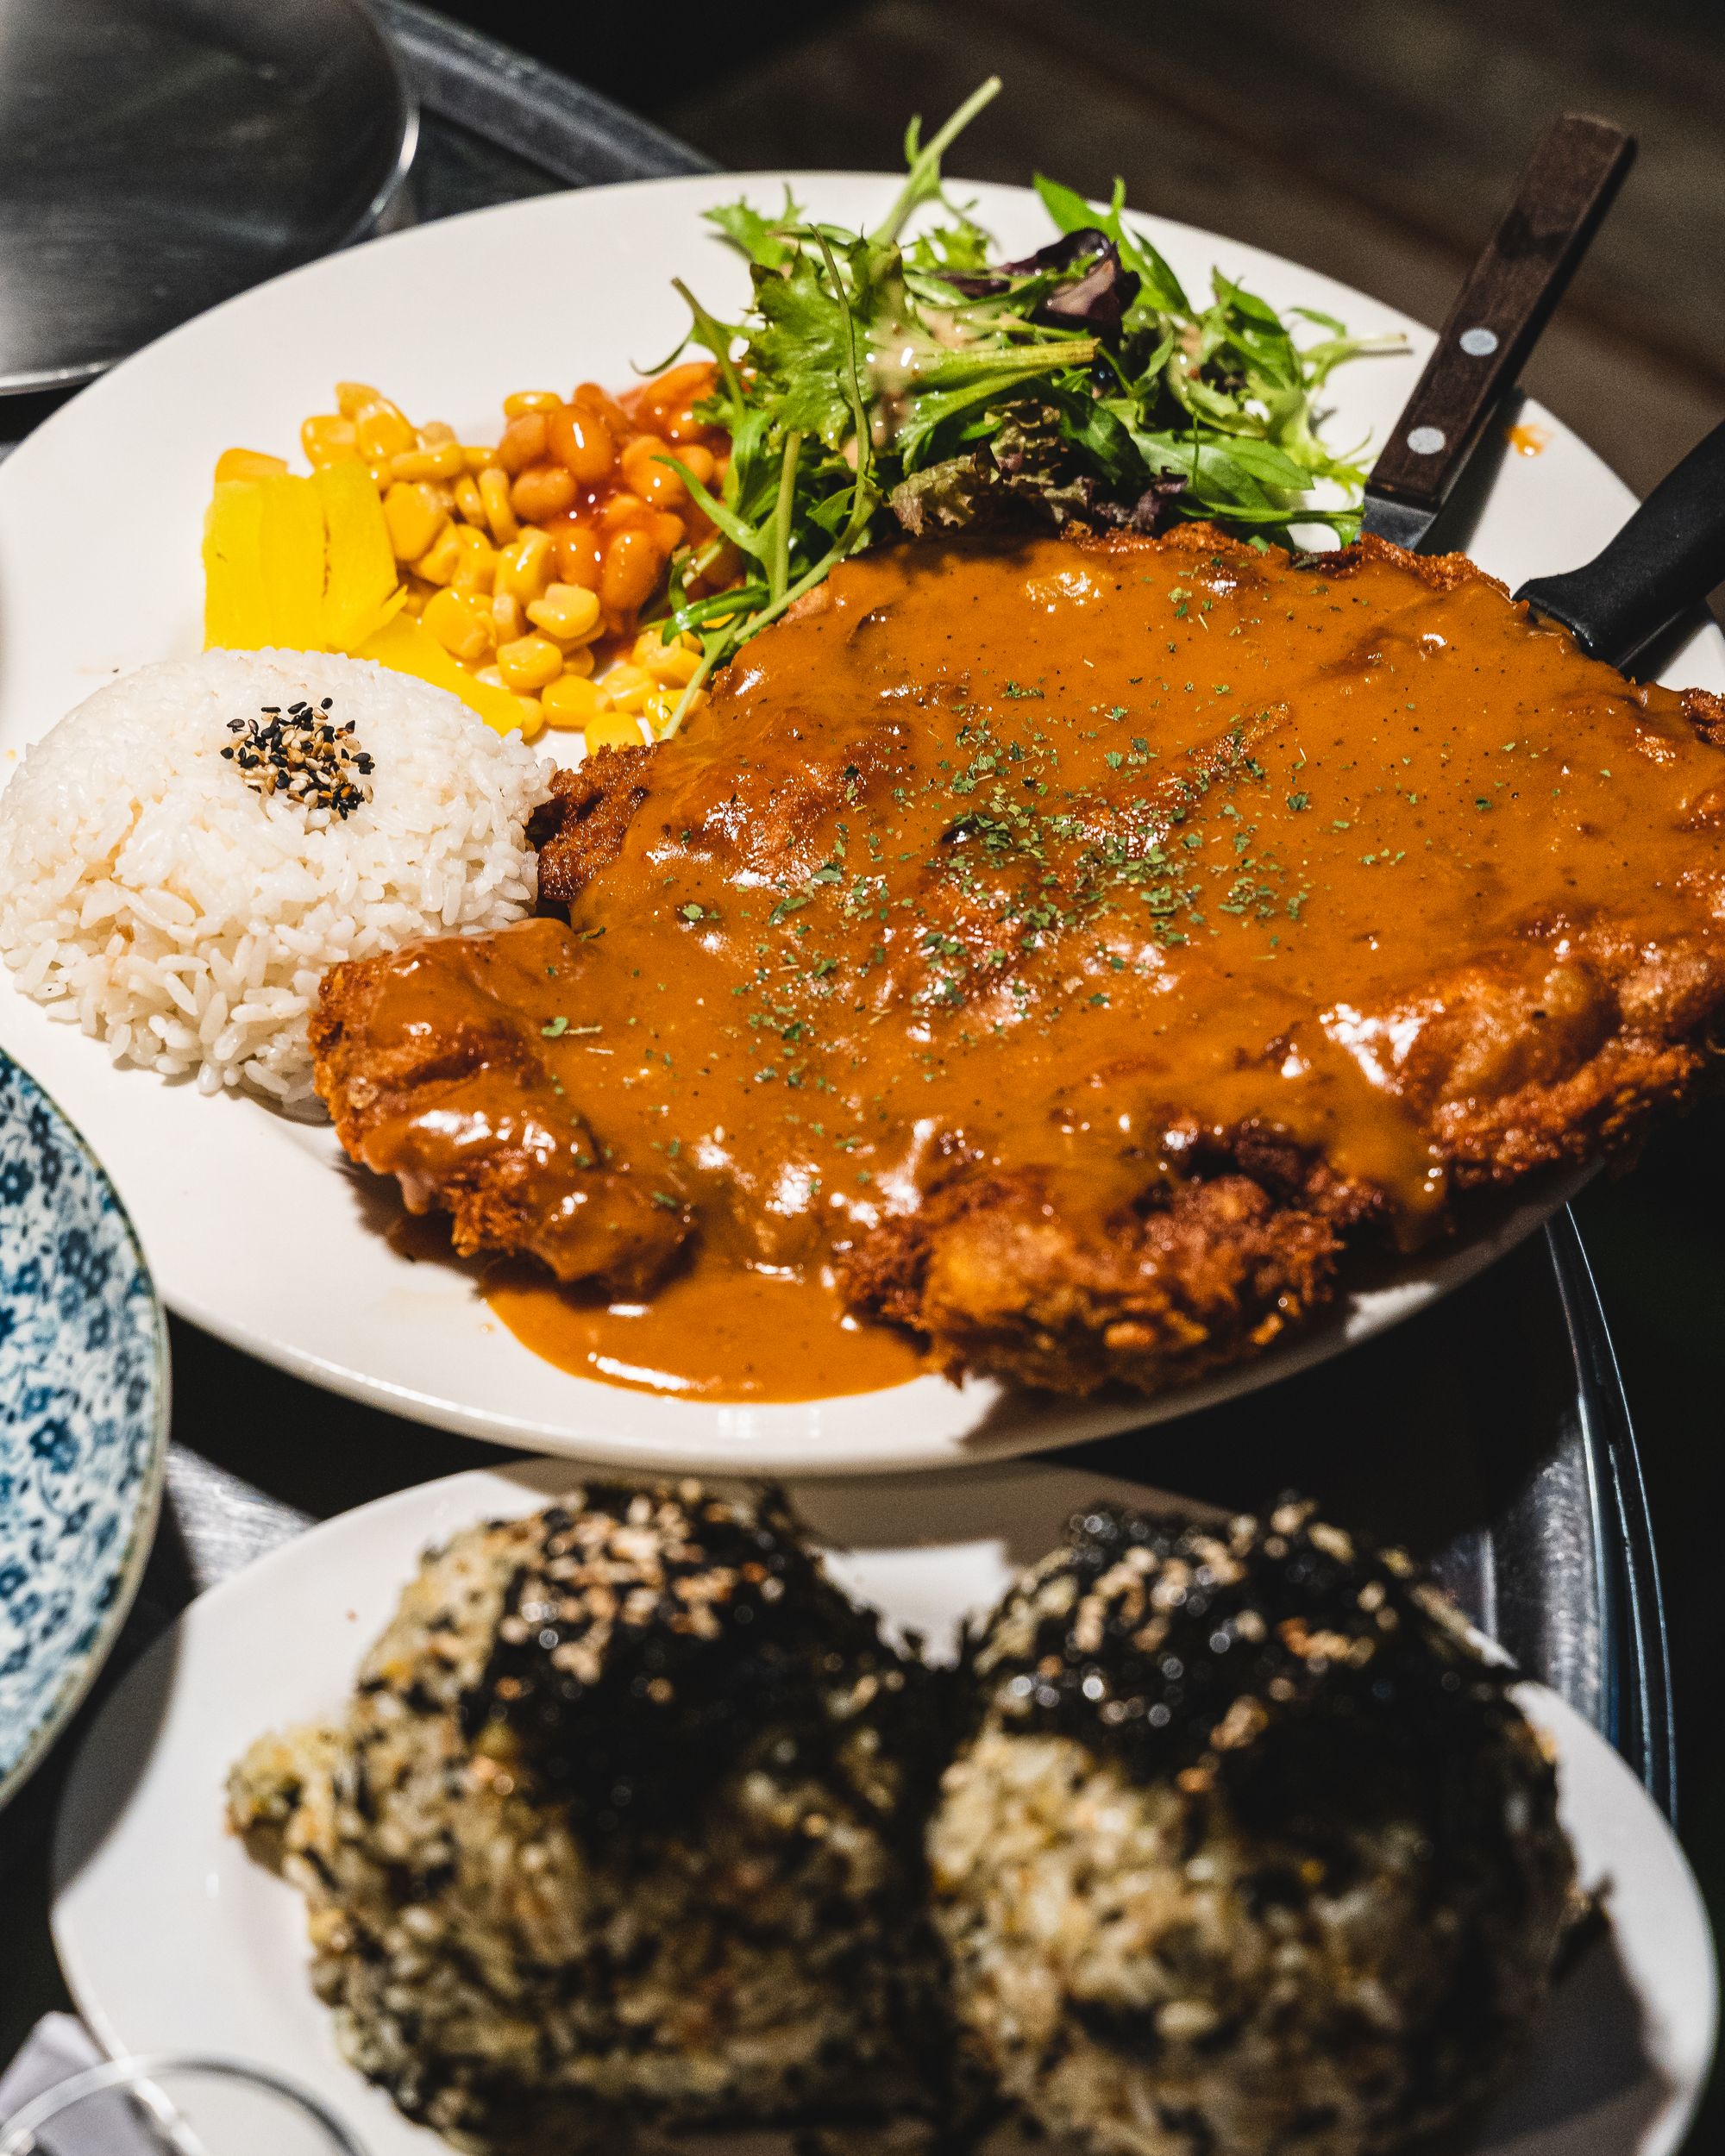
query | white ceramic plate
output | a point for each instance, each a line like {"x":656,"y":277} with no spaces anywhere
{"x":172,"y":1940}
{"x":253,"y":1226}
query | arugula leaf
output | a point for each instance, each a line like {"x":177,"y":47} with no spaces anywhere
{"x":1088,"y":425}
{"x":888,"y":380}
{"x":922,"y":181}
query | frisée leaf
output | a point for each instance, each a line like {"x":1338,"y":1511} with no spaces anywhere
{"x":898,"y":382}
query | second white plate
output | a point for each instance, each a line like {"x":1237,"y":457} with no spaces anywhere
{"x":172,"y":1940}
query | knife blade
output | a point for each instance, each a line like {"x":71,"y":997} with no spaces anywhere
{"x":1569,"y":184}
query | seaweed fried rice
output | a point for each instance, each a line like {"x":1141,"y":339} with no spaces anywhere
{"x":1248,"y":1848}
{"x":622,"y":1824}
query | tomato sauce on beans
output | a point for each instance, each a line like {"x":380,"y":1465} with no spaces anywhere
{"x":531,"y":559}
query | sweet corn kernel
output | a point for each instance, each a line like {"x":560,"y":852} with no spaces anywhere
{"x":531,"y":400}
{"x":523,"y":569}
{"x":462,"y":623}
{"x":686,"y":642}
{"x":479,"y":455}
{"x":382,"y":477}
{"x":612,"y":730}
{"x":442,"y":558}
{"x":629,"y":687}
{"x":506,"y":612}
{"x":675,"y":668}
{"x":494,"y":494}
{"x":327,"y":438}
{"x":566,"y":612}
{"x":414,"y":517}
{"x":434,"y":431}
{"x":352,"y":398}
{"x":249,"y":464}
{"x":532,"y":717}
{"x":673,"y":663}
{"x":578,"y":659}
{"x":570,"y":701}
{"x":469,"y":502}
{"x":478,"y":562}
{"x":383,"y":429}
{"x":660,"y":709}
{"x":443,"y":460}
{"x":527,"y":663}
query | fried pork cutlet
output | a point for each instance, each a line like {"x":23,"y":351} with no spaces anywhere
{"x":1078,"y":948}
{"x":455,"y":1095}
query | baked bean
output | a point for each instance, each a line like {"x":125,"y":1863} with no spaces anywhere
{"x":522,"y":443}
{"x":542,"y":490}
{"x":577,"y":438}
{"x":631,"y":565}
{"x":602,"y":402}
{"x":578,"y":554}
{"x":644,"y":468}
{"x":622,"y":509}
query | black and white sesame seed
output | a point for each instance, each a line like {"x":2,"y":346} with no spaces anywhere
{"x":303,"y":755}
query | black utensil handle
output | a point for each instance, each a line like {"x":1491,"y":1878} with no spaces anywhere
{"x":1567,"y":187}
{"x":1666,"y":558}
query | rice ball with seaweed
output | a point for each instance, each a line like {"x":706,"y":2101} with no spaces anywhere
{"x":622,"y":1825}
{"x":1247,"y":1850}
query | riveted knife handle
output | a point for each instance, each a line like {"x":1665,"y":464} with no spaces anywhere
{"x":1569,"y":184}
{"x":1668,"y":557}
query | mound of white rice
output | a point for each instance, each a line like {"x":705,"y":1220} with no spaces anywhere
{"x":151,"y":894}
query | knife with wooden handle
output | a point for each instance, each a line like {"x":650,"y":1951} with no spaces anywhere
{"x":1570,"y":183}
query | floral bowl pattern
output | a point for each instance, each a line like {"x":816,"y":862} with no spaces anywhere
{"x":84,"y":1401}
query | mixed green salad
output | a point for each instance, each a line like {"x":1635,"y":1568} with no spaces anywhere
{"x":880,"y":383}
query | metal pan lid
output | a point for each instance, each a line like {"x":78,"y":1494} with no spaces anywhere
{"x":157,"y":156}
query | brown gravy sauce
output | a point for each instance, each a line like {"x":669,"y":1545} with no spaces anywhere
{"x":714,"y":1332}
{"x":1049,"y":858}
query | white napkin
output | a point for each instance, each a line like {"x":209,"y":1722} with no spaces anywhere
{"x":58,"y":2047}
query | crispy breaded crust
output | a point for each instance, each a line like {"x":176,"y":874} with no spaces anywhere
{"x":580,"y":829}
{"x":466,"y":1116}
{"x":1024,"y":1276}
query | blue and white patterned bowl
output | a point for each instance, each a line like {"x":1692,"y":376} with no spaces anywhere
{"x":83,"y":1402}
